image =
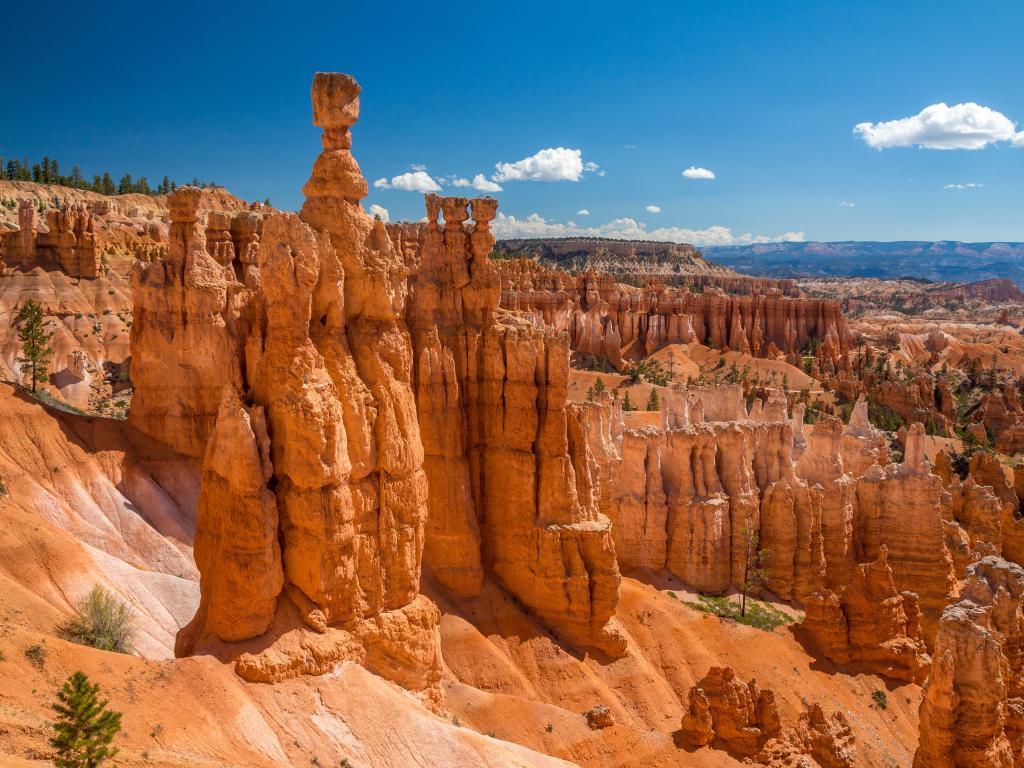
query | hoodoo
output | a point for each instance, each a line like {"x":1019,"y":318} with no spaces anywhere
{"x":327,"y":488}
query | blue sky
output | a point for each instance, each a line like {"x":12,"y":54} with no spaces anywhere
{"x":765,"y":95}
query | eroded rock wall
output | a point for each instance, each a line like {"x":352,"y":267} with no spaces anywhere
{"x":971,"y":714}
{"x":612,"y":320}
{"x":512,"y":479}
{"x":277,"y":350}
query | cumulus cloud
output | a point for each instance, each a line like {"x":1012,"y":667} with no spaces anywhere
{"x":968,"y":185}
{"x":940,"y":126}
{"x":582,"y":212}
{"x":847,"y":204}
{"x":556,"y":164}
{"x":535,"y":225}
{"x":478,"y":182}
{"x":378,"y":210}
{"x":418,"y":167}
{"x":415,"y":181}
{"x":652,"y":209}
{"x":698,"y":173}
{"x":485,"y":185}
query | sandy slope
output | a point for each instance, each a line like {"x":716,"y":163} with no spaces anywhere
{"x":91,"y":501}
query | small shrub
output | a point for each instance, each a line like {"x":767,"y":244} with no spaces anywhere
{"x":3,"y":656}
{"x":549,"y":728}
{"x":100,"y":621}
{"x":3,"y":489}
{"x":36,"y":654}
{"x":880,"y":699}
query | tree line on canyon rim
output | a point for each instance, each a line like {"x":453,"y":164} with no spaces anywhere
{"x":47,"y":171}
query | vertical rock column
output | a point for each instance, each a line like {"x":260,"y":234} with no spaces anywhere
{"x":493,"y":403}
{"x":354,"y":508}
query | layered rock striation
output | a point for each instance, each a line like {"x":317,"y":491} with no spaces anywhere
{"x":611,"y":320}
{"x":972,"y":714}
{"x":513,"y":483}
{"x":313,"y":504}
{"x":743,"y":719}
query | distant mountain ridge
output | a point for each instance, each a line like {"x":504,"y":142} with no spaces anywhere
{"x":942,"y":260}
{"x":611,"y":255}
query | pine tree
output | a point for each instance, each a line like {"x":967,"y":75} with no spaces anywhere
{"x":754,"y":572}
{"x":37,"y":173}
{"x":84,"y":727}
{"x":166,"y":186}
{"x":125,"y":185}
{"x":54,"y":173}
{"x":142,"y":186}
{"x":35,"y":342}
{"x":627,"y":404}
{"x":653,"y":403}
{"x":108,"y":184}
{"x":77,"y":180}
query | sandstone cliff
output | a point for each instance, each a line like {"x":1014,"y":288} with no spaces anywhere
{"x":512,"y":482}
{"x":618,"y":322}
{"x":302,"y":407}
{"x":971,"y":715}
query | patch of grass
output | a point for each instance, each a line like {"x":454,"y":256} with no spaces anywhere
{"x":759,"y":615}
{"x":36,"y":654}
{"x":100,"y":621}
{"x":880,"y":699}
{"x":46,"y":398}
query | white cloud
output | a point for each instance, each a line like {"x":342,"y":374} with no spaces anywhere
{"x":847,"y":204}
{"x":478,"y":182}
{"x":415,"y":181}
{"x":590,"y":166}
{"x":968,"y":185}
{"x":698,"y":173}
{"x":485,"y":185}
{"x":535,"y":225}
{"x":418,"y":167}
{"x":939,"y":126}
{"x":631,"y":146}
{"x":377,"y":210}
{"x":652,"y":209}
{"x":557,"y":164}
{"x":582,"y":212}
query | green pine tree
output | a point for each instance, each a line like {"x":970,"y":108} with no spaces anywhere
{"x":627,"y":404}
{"x":84,"y":727}
{"x":35,"y":342}
{"x":653,"y":403}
